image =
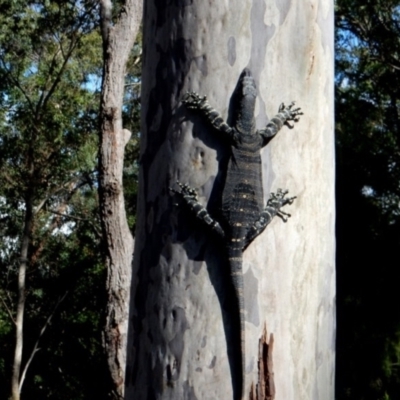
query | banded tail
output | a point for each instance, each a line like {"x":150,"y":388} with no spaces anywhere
{"x":235,"y":263}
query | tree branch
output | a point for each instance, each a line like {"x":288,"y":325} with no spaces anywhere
{"x":60,"y":72}
{"x":105,"y":18}
{"x":36,"y":346}
{"x":8,"y":310}
{"x":17,"y":84}
{"x":52,"y":66}
{"x":68,"y":216}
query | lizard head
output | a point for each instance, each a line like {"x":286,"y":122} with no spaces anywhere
{"x":247,"y":94}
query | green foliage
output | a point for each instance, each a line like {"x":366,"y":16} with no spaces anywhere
{"x":368,"y":198}
{"x":50,"y":61}
{"x":50,"y":72}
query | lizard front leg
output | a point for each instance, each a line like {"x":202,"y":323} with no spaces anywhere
{"x":274,"y":205}
{"x":195,"y":102}
{"x":189,"y":195}
{"x":284,"y":116}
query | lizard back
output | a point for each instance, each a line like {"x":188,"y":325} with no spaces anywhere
{"x":242,"y":197}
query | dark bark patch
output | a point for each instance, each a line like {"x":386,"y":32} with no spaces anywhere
{"x":150,"y":336}
{"x":150,"y":393}
{"x":201,"y":63}
{"x":251,"y":297}
{"x":231,"y":51}
{"x":197,"y":267}
{"x":213,"y":362}
{"x":150,"y":219}
{"x":188,"y":391}
{"x":112,"y":188}
{"x":180,"y":325}
{"x":172,"y":374}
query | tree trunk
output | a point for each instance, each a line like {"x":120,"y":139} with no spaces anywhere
{"x":118,"y":40}
{"x":19,"y":321}
{"x":180,"y":341}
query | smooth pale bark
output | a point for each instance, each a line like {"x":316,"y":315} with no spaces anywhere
{"x":180,"y":333}
{"x":118,"y":40}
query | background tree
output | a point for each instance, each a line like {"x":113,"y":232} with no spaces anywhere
{"x":50,"y":65}
{"x":49,"y":255}
{"x":119,"y":27}
{"x":181,"y":324}
{"x":368,"y":225}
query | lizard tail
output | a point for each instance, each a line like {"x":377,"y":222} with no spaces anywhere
{"x":237,"y":281}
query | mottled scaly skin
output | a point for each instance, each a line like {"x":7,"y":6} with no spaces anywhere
{"x":243,"y":215}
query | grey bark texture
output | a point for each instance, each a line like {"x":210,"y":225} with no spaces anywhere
{"x":180,"y":344}
{"x":118,"y":40}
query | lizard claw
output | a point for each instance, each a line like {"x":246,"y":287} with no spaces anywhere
{"x":283,"y":216}
{"x":193,"y":100}
{"x":291,"y":114}
{"x":278,"y":200}
{"x":185,"y":191}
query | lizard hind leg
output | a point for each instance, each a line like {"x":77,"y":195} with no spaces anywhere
{"x":189,"y":196}
{"x":274,"y":204}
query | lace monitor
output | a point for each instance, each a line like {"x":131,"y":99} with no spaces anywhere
{"x":243,"y":215}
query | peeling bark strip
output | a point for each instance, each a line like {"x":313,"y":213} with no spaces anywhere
{"x":265,"y":387}
{"x":118,"y":40}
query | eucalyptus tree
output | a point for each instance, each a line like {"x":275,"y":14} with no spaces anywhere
{"x":120,"y":23}
{"x":182,"y":319}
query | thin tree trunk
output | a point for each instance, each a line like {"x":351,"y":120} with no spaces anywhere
{"x":118,"y":40}
{"x":19,"y":321}
{"x":180,"y":341}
